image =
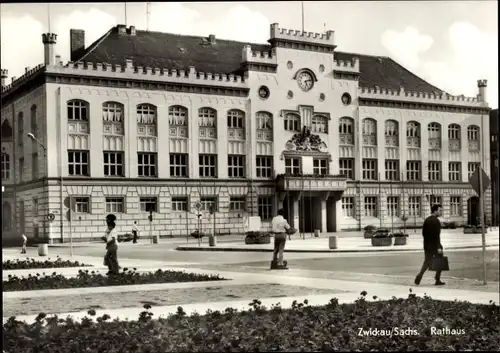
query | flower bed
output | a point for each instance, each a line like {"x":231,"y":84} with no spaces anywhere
{"x":257,"y":238}
{"x":417,"y":324}
{"x":94,"y":279}
{"x":32,"y":263}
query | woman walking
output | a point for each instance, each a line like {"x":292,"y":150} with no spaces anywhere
{"x":111,"y":257}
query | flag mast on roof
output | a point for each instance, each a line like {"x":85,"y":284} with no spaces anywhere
{"x":125,"y":13}
{"x":148,"y":13}
{"x":302,"y":15}
{"x":48,"y":15}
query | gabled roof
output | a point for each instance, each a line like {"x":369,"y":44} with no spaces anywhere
{"x":173,"y":51}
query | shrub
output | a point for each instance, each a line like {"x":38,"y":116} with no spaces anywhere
{"x":332,"y":327}
{"x":197,"y":234}
{"x":399,"y":234}
{"x":369,"y":228}
{"x":95,"y":279}
{"x":32,"y":263}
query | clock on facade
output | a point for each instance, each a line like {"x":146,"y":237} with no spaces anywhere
{"x":264,"y":92}
{"x":305,"y":80}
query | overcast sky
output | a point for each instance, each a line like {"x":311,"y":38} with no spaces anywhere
{"x":451,"y":44}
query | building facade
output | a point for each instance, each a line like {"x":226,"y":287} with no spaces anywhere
{"x":143,"y":121}
{"x":495,"y":148}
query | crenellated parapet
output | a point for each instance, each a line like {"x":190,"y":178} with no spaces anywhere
{"x":258,"y":57}
{"x":417,"y":97}
{"x":326,"y":39}
{"x":347,"y":66}
{"x":22,"y":79}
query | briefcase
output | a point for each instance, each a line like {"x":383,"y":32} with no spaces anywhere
{"x":440,"y":263}
{"x":291,"y":231}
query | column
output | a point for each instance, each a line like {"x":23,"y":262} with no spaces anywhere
{"x":424,"y":151}
{"x":323,"y":211}
{"x":222,"y":143}
{"x":464,"y":144}
{"x":193,"y":141}
{"x":95,"y":142}
{"x":445,"y":153}
{"x":296,"y":209}
{"x":130,"y":137}
{"x":163,"y":140}
{"x":381,"y":148}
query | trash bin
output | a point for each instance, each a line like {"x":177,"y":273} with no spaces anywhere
{"x":212,"y":240}
{"x":43,"y":249}
{"x":332,"y":242}
{"x":316,"y":233}
{"x":156,"y":239}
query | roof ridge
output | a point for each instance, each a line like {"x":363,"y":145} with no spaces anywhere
{"x":94,"y":45}
{"x":420,"y":78}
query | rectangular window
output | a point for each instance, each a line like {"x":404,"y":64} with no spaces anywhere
{"x":34,"y":166}
{"x":371,"y":206}
{"x":455,"y":206}
{"x":207,"y":202}
{"x":320,"y":166}
{"x":348,"y":206}
{"x":434,"y":171}
{"x":413,"y":170}
{"x":147,"y":204}
{"x":5,"y":166}
{"x":115,"y":205}
{"x":393,"y":206}
{"x":35,"y":207}
{"x":236,"y":166}
{"x":113,"y":163}
{"x":264,"y":165}
{"x":414,"y":206}
{"x":292,"y":165}
{"x":78,"y":163}
{"x":455,"y":171}
{"x":346,"y":167}
{"x":237,"y":203}
{"x":370,"y":169}
{"x":436,"y":200}
{"x":391,"y":170}
{"x":471,"y":167}
{"x":81,"y":204}
{"x":265,"y":207}
{"x":21,"y":168}
{"x":180,"y":203}
{"x":208,"y":165}
{"x":178,"y":165}
{"x":146,"y":163}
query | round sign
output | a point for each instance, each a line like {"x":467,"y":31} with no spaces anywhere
{"x":51,"y":217}
{"x":198,"y":206}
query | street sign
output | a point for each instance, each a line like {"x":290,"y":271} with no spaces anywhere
{"x":474,"y":180}
{"x":198,"y":206}
{"x":51,"y":217}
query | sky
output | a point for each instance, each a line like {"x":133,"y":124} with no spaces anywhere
{"x":450,"y":44}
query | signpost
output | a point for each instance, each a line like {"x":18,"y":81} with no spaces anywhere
{"x":198,"y":207}
{"x":480,"y":182}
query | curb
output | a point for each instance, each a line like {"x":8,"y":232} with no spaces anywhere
{"x":192,"y":248}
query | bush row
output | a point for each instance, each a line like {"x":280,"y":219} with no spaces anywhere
{"x":27,"y":263}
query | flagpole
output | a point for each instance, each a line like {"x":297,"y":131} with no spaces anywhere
{"x":125,"y":14}
{"x":414,"y":197}
{"x":392,"y":213}
{"x":379,"y":200}
{"x":302,"y":16}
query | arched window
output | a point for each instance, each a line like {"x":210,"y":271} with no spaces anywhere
{"x":346,"y":131}
{"x":20,"y":129}
{"x":178,"y":116}
{"x":5,"y":166}
{"x":146,"y":114}
{"x":33,"y":119}
{"x":78,"y":110}
{"x":369,"y":132}
{"x":292,"y":122}
{"x":235,"y":119}
{"x":413,"y":134}
{"x":434,"y":138}
{"x":454,"y":132}
{"x":473,"y":133}
{"x":319,"y":124}
{"x":6,"y":216}
{"x":112,"y":112}
{"x":207,"y":122}
{"x":391,"y":133}
{"x":264,"y":126}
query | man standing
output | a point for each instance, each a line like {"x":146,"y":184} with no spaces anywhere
{"x":25,"y":242}
{"x":135,"y":231}
{"x":431,"y":232}
{"x":279,"y":228}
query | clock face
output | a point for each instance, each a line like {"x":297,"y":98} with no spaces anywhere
{"x":305,"y":81}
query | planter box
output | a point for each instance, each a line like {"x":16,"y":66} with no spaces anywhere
{"x":382,"y":241}
{"x":399,"y":240}
{"x":368,"y":234}
{"x":472,"y":230}
{"x":258,"y":238}
{"x":332,"y":242}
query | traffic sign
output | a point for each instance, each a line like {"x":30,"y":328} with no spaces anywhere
{"x":198,"y":205}
{"x":474,"y":181}
{"x":51,"y":217}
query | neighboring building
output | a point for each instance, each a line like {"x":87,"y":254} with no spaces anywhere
{"x":495,"y":148}
{"x":144,"y":120}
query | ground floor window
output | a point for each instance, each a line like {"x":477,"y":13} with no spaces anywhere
{"x":208,"y":202}
{"x":414,"y":206}
{"x":348,"y":206}
{"x":393,"y":206}
{"x":115,"y":204}
{"x":81,"y":204}
{"x":455,"y":206}
{"x":237,"y":203}
{"x":148,"y":204}
{"x":180,"y":203}
{"x":371,"y":206}
{"x":265,"y":207}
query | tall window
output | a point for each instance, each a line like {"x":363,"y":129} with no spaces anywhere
{"x":412,"y":134}
{"x":237,"y":203}
{"x":34,"y":166}
{"x":346,"y":167}
{"x":236,"y":166}
{"x":113,"y":163}
{"x":6,"y":216}
{"x":265,"y":207}
{"x":413,"y":170}
{"x":434,"y":130}
{"x":292,"y":122}
{"x":292,"y":165}
{"x":455,"y":171}
{"x":207,"y":123}
{"x":371,"y":207}
{"x":178,"y":165}
{"x":264,"y":121}
{"x":35,"y":207}
{"x":149,"y":203}
{"x":78,"y":110}
{"x":235,"y":119}
{"x":208,"y":202}
{"x":5,"y":166}
{"x":114,"y":204}
{"x":471,"y":167}
{"x":208,"y":165}
{"x":391,"y":131}
{"x":473,"y":137}
{"x":414,"y":206}
{"x":348,"y":206}
{"x":264,"y":165}
{"x":434,"y":171}
{"x":20,"y":129}
{"x":319,"y":124}
{"x":21,"y":168}
{"x":391,"y":169}
{"x":146,"y":164}
{"x":112,"y":112}
{"x":180,"y":203}
{"x":369,"y":132}
{"x":146,"y":114}
{"x":78,"y":163}
{"x":81,"y":204}
{"x":436,"y":200}
{"x":454,"y":137}
{"x":346,"y":131}
{"x":455,"y":206}
{"x":320,"y":166}
{"x":178,"y":121}
{"x":393,"y":206}
{"x":370,"y":169}
{"x":33,"y":119}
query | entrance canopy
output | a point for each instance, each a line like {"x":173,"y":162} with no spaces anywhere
{"x":310,"y":183}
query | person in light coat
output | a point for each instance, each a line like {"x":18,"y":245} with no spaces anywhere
{"x":111,"y":235}
{"x":279,"y":228}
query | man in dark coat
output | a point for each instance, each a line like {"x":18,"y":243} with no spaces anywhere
{"x":431,"y":232}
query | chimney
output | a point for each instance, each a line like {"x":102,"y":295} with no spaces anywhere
{"x":77,"y":43}
{"x":132,"y":30}
{"x":49,"y":43}
{"x":481,"y":85}
{"x":5,"y":74}
{"x":211,"y":38}
{"x":122,"y":29}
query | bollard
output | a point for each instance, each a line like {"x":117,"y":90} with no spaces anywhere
{"x":332,"y":242}
{"x":43,"y":249}
{"x":316,"y":233}
{"x":155,"y":239}
{"x":212,"y":240}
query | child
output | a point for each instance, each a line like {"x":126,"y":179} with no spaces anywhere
{"x":25,"y":242}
